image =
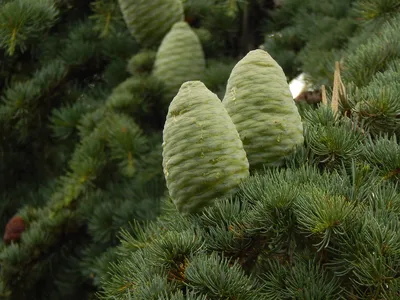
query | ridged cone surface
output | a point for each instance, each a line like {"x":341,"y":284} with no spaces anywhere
{"x":260,"y":103}
{"x":203,"y":156}
{"x":149,"y":21}
{"x":180,"y":58}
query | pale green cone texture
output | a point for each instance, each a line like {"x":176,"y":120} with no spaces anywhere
{"x":180,"y":58}
{"x":259,"y":101}
{"x":149,"y":21}
{"x":203,"y":156}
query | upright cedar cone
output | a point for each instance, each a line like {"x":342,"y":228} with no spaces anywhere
{"x":203,"y":156}
{"x":261,"y":106}
{"x":149,"y":21}
{"x":14,"y":228}
{"x":180,"y":58}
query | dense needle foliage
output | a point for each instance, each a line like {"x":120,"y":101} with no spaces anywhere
{"x":82,"y":189}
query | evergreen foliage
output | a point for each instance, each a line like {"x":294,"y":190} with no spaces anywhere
{"x":367,"y":55}
{"x":84,"y":204}
{"x":81,"y":145}
{"x":322,"y":226}
{"x":372,"y":92}
{"x":308,"y":36}
{"x":81,"y":120}
{"x":228,"y":27}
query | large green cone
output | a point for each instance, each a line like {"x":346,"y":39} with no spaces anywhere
{"x":149,"y":21}
{"x":203,"y":156}
{"x":261,"y":106}
{"x":180,"y":58}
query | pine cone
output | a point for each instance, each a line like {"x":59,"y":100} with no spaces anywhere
{"x":14,"y":229}
{"x":179,"y":58}
{"x":149,"y":21}
{"x":203,"y":156}
{"x":260,"y":103}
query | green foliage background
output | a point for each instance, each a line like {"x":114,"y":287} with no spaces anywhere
{"x":81,"y":120}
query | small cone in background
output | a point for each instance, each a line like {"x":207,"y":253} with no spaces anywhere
{"x":150,"y":21}
{"x":203,"y":156}
{"x":260,"y":103}
{"x":309,"y":97}
{"x":180,"y":58}
{"x":14,"y":228}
